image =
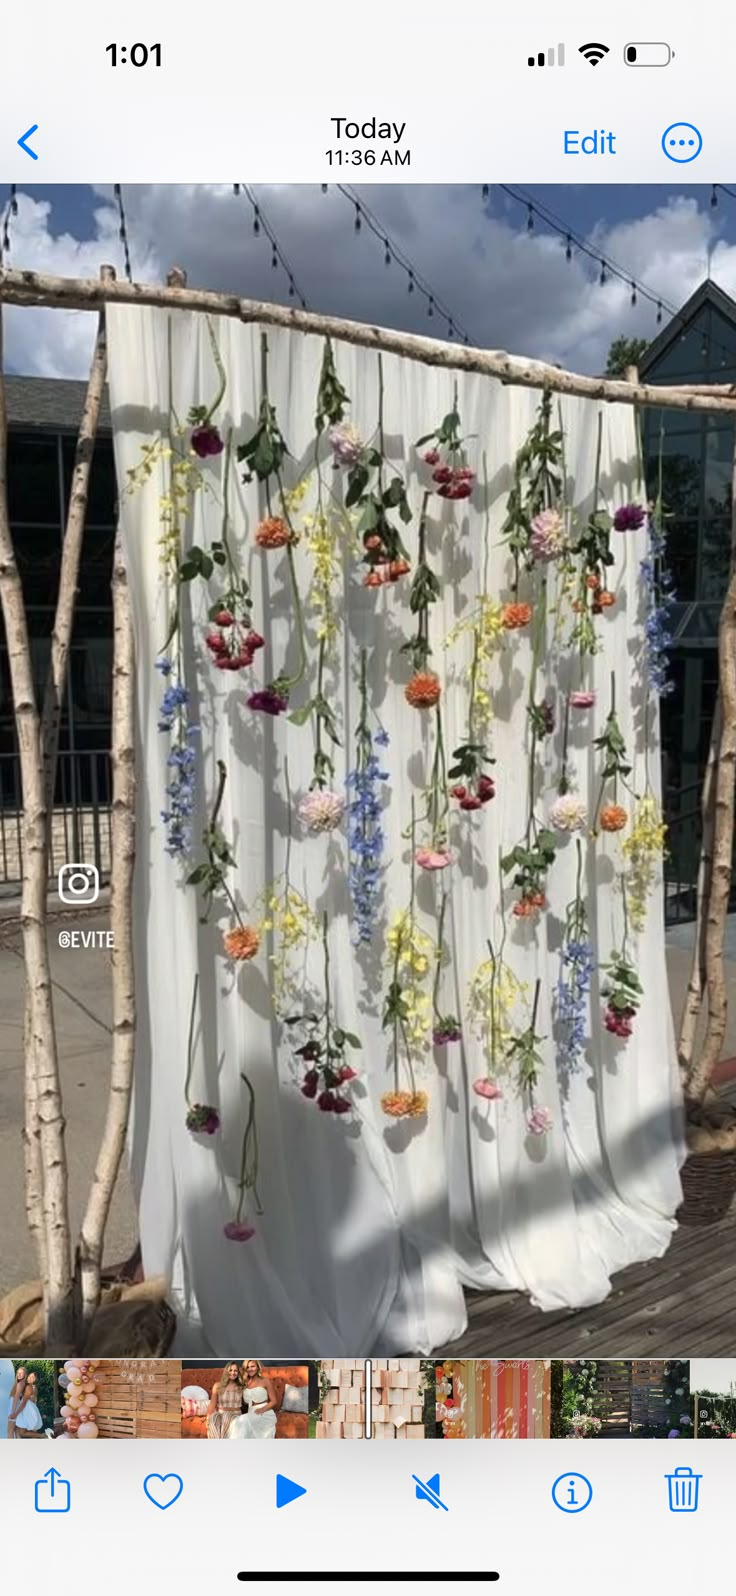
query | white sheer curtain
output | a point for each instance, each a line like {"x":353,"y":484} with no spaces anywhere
{"x":370,"y":1229}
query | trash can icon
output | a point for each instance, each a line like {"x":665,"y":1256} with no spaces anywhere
{"x":684,"y":1487}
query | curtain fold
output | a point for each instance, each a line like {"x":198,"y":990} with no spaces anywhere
{"x":371,"y":1229}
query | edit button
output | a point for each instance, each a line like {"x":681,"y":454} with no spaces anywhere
{"x":599,"y":142}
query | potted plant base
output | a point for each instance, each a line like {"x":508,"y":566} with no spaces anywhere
{"x":709,"y":1172}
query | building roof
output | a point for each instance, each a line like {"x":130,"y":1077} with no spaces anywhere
{"x":707,"y":294}
{"x":53,"y":402}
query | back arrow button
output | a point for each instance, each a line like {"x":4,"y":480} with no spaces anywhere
{"x":26,"y":147}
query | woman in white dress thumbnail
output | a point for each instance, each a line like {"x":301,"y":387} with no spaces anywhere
{"x":24,"y":1411}
{"x":259,"y":1423}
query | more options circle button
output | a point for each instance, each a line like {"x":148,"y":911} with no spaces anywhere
{"x":682,"y":142}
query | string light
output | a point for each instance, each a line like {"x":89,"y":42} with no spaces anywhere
{"x":610,"y":268}
{"x":123,"y":230}
{"x":365,"y":219}
{"x":261,"y":225}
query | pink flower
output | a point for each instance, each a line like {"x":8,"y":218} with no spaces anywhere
{"x":345,"y":442}
{"x":433,"y":858}
{"x":486,"y":1088}
{"x":238,"y":1230}
{"x":539,"y":1121}
{"x":547,"y":539}
{"x":321,"y":810}
{"x":581,"y":700}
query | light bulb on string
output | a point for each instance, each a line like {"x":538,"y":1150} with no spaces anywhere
{"x":485,"y":191}
{"x":568,"y":248}
{"x":410,"y":287}
{"x":236,"y":189}
{"x":358,"y":217}
{"x":659,"y":312}
{"x":324,"y":188}
{"x":633,"y":294}
{"x":387,"y":253}
{"x":430,"y":305}
{"x":603,"y":279}
{"x":291,"y":288}
{"x":274,"y":258}
{"x":714,"y":195}
{"x":256,"y":220}
{"x":530,"y":219}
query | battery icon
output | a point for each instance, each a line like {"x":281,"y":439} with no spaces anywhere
{"x":648,"y":55}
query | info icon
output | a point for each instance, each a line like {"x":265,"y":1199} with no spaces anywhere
{"x":572,"y":1493}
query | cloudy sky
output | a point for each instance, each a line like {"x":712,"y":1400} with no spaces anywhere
{"x":508,"y":287}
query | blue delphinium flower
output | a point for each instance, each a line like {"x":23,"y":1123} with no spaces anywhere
{"x":657,"y":579}
{"x":573,"y":988}
{"x":181,"y":761}
{"x":366,"y":835}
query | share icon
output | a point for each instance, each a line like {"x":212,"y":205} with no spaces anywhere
{"x":430,"y":1492}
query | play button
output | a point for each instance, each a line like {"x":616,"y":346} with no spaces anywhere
{"x":287,"y":1490}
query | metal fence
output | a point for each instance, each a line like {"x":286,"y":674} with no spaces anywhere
{"x":81,"y":821}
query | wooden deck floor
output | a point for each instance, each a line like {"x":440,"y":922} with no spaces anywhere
{"x":682,"y":1305}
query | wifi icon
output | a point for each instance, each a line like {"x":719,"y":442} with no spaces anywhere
{"x":594,"y":52}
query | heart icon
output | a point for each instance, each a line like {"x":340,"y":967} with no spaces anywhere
{"x":163,"y":1489}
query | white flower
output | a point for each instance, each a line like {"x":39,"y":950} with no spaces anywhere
{"x":569,"y":813}
{"x":321,"y":810}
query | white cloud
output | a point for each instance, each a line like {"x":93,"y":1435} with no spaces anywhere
{"x":509,"y":288}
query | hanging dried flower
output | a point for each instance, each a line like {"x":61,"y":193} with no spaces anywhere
{"x":273,"y":533}
{"x":206,"y":440}
{"x":202,"y":1119}
{"x":452,"y":476}
{"x":238,"y":1230}
{"x":487,"y":1088}
{"x":613,"y":817}
{"x":434,"y":858}
{"x":547,"y":541}
{"x":423,"y":691}
{"x":269,"y":700}
{"x":516,"y":616}
{"x":242,"y":943}
{"x":643,"y":847}
{"x":346,"y":443}
{"x":539,"y":1121}
{"x":405,"y":1105}
{"x":569,"y":812}
{"x":581,"y":700}
{"x":321,"y":810}
{"x":445,"y":1030}
{"x":629,"y":517}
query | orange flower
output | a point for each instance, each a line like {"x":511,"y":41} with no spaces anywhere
{"x":398,"y":568}
{"x":606,"y":599}
{"x":373,"y":579}
{"x":374,"y":541}
{"x":592,"y":581}
{"x":516,"y":615}
{"x":273,"y":533}
{"x":524,"y":908}
{"x":613,"y":817}
{"x":423,"y":690}
{"x":404,"y":1105}
{"x":242,"y":943}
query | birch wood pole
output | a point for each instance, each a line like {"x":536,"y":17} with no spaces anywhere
{"x":723,"y":831}
{"x":43,"y":1050}
{"x":50,"y":722}
{"x":79,"y":293}
{"x":698,"y":970}
{"x":92,"y":1235}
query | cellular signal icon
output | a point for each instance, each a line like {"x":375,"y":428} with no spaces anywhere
{"x":548,"y":57}
{"x":594,"y":52}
